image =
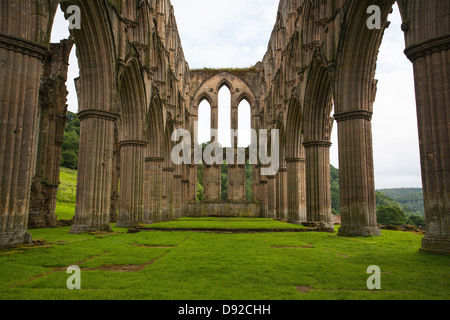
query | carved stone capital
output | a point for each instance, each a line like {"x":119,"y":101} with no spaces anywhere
{"x":353,"y":114}
{"x":317,"y":143}
{"x":23,"y":46}
{"x":295,"y":159}
{"x":425,"y":48}
{"x":91,"y":113}
{"x":138,"y":143}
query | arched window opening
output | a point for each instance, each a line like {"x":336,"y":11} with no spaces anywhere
{"x":204,"y":122}
{"x":60,"y":32}
{"x":244,"y":124}
{"x":224,"y":116}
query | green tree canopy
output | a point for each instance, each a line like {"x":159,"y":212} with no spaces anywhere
{"x":392,"y":215}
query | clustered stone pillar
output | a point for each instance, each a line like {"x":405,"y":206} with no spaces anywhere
{"x":256,"y":192}
{"x":297,"y":190}
{"x":20,"y":72}
{"x":212,"y":182}
{"x":318,"y":195}
{"x":177,"y":194}
{"x":282,"y":194}
{"x":431,"y":62}
{"x":93,"y":204}
{"x":52,"y":121}
{"x":192,"y":194}
{"x":357,"y":183}
{"x":153,"y":181}
{"x":115,"y":179}
{"x":166,"y":210}
{"x":131,"y":193}
{"x":263,"y":187}
{"x":236,"y":182}
{"x":271,"y":197}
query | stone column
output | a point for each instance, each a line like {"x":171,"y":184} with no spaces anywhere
{"x":131,"y":193}
{"x":185,"y":187}
{"x":20,"y":73}
{"x":192,"y":182}
{"x":357,"y":185}
{"x":236,"y":182}
{"x":255,"y":185}
{"x":264,"y":201}
{"x":115,"y":179}
{"x":282,"y":194}
{"x":271,"y":197}
{"x":94,"y":180}
{"x":153,"y":181}
{"x":166,"y":210}
{"x":177,"y":195}
{"x":296,"y":190}
{"x":52,"y":121}
{"x":431,"y":62}
{"x":318,"y":187}
{"x":212,"y":182}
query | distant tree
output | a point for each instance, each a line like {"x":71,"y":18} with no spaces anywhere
{"x":200,"y":192}
{"x":392,"y":215}
{"x":248,"y":182}
{"x":417,"y":221}
{"x":383,"y":200}
{"x":335,"y":192}
{"x":71,"y":140}
{"x":69,"y":159}
{"x":224,"y":181}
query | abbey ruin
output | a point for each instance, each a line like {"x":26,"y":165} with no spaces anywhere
{"x":135,"y":88}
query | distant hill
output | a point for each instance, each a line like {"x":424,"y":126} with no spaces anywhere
{"x":410,"y":199}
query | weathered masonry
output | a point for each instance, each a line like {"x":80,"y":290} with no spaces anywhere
{"x":135,"y":88}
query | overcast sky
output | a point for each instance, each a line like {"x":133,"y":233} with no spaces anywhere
{"x":235,"y":34}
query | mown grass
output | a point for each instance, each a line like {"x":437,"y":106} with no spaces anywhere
{"x":224,"y":223}
{"x":66,"y":196}
{"x":191,"y":265}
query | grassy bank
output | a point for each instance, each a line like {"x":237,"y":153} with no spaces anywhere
{"x":192,"y":265}
{"x":66,"y":197}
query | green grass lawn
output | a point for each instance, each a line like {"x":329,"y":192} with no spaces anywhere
{"x":224,"y":223}
{"x":65,"y":199}
{"x":215,"y":266}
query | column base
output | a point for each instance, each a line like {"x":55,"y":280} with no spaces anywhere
{"x":80,"y":228}
{"x":128,"y":224}
{"x":321,"y":225}
{"x":296,"y":222}
{"x":349,"y":231}
{"x":436,"y":245}
{"x":15,"y":238}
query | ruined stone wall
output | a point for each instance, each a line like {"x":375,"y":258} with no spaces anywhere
{"x":52,"y":121}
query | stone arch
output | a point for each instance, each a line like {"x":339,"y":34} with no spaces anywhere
{"x":317,"y":134}
{"x":226,"y":83}
{"x":153,"y":170}
{"x":98,"y":107}
{"x":155,"y":127}
{"x":295,"y":163}
{"x":133,"y":144}
{"x":354,"y":90}
{"x":294,"y":129}
{"x":95,"y":57}
{"x":318,"y":103}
